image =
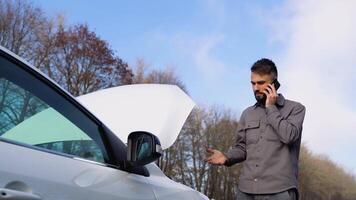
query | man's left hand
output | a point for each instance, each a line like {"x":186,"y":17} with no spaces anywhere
{"x":271,"y":94}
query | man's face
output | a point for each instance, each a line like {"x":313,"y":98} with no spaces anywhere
{"x":259,"y":83}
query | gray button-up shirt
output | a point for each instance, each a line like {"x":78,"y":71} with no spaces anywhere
{"x":268,"y":141}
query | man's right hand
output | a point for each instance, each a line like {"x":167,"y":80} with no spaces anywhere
{"x":216,"y":157}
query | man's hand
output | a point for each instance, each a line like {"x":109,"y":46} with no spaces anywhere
{"x":216,"y":157}
{"x":271,"y":94}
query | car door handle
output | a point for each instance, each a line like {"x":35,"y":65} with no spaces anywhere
{"x":17,"y":195}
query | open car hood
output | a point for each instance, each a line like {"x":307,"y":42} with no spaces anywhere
{"x":155,"y":108}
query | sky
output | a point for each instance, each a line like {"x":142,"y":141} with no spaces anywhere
{"x":212,"y":44}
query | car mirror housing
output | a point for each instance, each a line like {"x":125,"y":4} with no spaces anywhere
{"x":142,"y":148}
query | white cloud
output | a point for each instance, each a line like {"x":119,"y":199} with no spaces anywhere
{"x":204,"y":58}
{"x":199,"y":47}
{"x":200,"y":50}
{"x":319,"y":65}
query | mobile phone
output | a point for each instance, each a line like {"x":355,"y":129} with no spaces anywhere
{"x":276,"y":84}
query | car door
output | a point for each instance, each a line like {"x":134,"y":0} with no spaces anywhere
{"x":52,"y":148}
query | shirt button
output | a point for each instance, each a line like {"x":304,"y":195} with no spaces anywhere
{"x":255,"y":179}
{"x":256,"y":165}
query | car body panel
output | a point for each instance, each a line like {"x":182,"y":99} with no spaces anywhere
{"x":165,"y":188}
{"x":53,"y":177}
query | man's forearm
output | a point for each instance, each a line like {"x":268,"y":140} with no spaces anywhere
{"x":288,"y":130}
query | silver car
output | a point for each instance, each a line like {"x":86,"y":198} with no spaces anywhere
{"x":54,"y":146}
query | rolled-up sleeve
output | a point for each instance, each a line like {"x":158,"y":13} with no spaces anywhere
{"x":288,"y":130}
{"x":237,"y":153}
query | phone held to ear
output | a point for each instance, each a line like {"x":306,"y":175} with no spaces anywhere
{"x":276,"y":84}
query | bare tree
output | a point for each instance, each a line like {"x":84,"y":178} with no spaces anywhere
{"x":26,"y":31}
{"x":143,"y":73}
{"x":74,"y":56}
{"x":85,"y":63}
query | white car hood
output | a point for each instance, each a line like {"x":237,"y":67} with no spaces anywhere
{"x":155,"y":108}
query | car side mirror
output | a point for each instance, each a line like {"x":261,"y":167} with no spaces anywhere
{"x":142,"y":148}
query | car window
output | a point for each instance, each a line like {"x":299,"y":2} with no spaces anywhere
{"x":34,"y":113}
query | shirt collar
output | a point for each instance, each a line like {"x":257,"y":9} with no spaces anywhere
{"x":280,"y":102}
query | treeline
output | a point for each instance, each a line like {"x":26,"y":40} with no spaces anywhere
{"x":322,"y":179}
{"x":81,"y":62}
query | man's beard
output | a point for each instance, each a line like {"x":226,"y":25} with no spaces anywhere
{"x":261,"y":100}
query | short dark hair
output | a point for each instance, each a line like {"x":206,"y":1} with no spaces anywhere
{"x":265,"y":66}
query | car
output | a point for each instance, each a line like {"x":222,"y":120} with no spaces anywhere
{"x":56,"y":146}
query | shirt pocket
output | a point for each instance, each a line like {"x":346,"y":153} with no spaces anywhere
{"x":252,"y":129}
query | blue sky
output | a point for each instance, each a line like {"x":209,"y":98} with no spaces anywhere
{"x":212,"y":44}
{"x":228,"y":40}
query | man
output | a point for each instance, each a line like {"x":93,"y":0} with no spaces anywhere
{"x":268,"y":140}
